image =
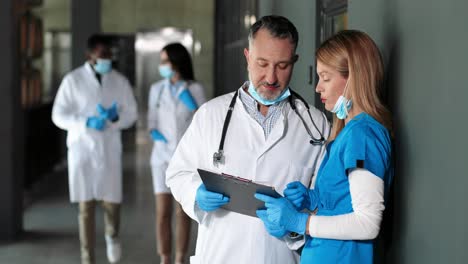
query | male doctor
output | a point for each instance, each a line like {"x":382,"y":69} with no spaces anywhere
{"x":266,"y":142}
{"x":94,"y":103}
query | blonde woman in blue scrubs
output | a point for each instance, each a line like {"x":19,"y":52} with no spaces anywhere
{"x":349,"y":194}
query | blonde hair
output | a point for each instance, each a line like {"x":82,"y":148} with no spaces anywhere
{"x":356,"y":57}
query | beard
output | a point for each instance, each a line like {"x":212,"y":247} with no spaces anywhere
{"x":268,"y":94}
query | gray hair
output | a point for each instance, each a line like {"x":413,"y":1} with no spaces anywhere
{"x":278,"y":26}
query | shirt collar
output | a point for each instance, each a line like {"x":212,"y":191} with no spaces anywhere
{"x":250,"y":103}
{"x":246,"y":98}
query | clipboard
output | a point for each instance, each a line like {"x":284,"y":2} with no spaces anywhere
{"x":239,"y":190}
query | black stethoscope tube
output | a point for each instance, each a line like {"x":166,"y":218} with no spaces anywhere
{"x":313,"y":140}
{"x":218,"y":157}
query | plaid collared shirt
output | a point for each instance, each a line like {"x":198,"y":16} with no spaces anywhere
{"x":267,"y":122}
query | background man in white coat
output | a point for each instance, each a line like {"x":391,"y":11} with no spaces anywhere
{"x":266,"y":142}
{"x":94,"y":103}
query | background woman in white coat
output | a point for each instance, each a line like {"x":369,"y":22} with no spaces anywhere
{"x":172,"y":102}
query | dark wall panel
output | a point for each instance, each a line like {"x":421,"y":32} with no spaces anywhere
{"x":232,"y":24}
{"x":425,"y":48}
{"x":11,"y":153}
{"x":86,"y":20}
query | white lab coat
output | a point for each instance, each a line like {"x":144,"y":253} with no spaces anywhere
{"x":170,"y":116}
{"x":94,"y":157}
{"x":285,"y":156}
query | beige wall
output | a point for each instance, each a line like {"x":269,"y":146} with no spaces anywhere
{"x":123,"y":16}
{"x":56,"y":14}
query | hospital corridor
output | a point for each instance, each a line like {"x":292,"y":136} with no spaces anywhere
{"x":49,"y":229}
{"x":233,"y":131}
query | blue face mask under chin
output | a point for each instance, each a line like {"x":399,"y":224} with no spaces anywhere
{"x":165,"y":71}
{"x":342,"y":105}
{"x":258,"y":98}
{"x":103,"y":66}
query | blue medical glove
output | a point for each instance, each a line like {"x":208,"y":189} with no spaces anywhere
{"x":96,"y":123}
{"x":283,"y":213}
{"x":209,"y":201}
{"x":111,"y":114}
{"x":157,"y":136}
{"x":273,"y":229}
{"x":301,"y":196}
{"x":102,"y":111}
{"x":187,"y":99}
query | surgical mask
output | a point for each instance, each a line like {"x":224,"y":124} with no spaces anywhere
{"x":165,"y":71}
{"x":258,"y":98}
{"x":342,"y":105}
{"x":103,"y":66}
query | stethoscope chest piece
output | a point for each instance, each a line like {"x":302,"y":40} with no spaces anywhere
{"x":218,"y":158}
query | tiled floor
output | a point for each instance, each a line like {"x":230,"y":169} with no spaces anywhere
{"x":51,"y":227}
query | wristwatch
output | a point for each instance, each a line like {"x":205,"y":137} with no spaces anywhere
{"x":295,"y":236}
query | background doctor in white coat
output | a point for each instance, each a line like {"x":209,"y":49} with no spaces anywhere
{"x":266,"y":142}
{"x":172,"y":102}
{"x":93,"y":104}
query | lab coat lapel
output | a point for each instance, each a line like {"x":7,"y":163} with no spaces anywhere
{"x":92,"y":75}
{"x":180,"y":86}
{"x":169,"y":97}
{"x":108,"y":90}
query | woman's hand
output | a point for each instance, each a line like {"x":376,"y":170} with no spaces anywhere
{"x":283,"y":213}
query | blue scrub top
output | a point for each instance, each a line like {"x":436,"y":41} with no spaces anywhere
{"x":363,"y":143}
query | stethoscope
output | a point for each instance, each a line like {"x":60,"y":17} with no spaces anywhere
{"x":218,"y":157}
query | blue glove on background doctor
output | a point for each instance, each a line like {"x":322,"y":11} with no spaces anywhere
{"x":157,"y":136}
{"x":110,"y":113}
{"x":96,"y":123}
{"x":99,"y":122}
{"x":187,"y":99}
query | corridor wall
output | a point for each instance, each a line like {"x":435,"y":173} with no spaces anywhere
{"x":302,"y":14}
{"x":424,"y":45}
{"x":122,"y":17}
